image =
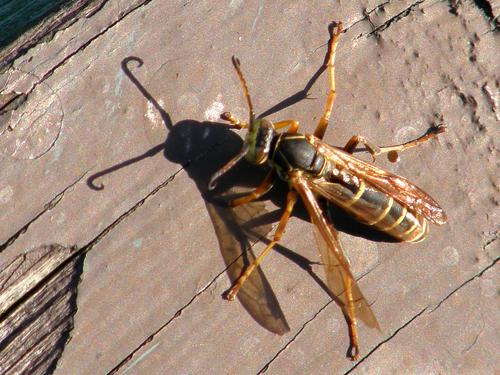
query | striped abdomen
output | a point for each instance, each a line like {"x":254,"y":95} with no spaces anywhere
{"x":375,"y":208}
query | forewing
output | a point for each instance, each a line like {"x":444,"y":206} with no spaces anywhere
{"x":336,"y":264}
{"x":395,"y":186}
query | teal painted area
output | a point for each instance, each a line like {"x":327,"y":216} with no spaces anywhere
{"x":17,"y":16}
{"x":119,"y":80}
{"x":132,"y":37}
{"x":141,"y":357}
{"x":137,"y":243}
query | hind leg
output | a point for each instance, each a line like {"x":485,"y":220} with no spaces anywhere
{"x":392,"y":151}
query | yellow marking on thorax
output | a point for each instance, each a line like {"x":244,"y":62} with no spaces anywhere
{"x":276,"y":147}
{"x":397,"y":222}
{"x":358,"y":195}
{"x":384,"y":213}
{"x":324,"y":166}
{"x":294,"y":136}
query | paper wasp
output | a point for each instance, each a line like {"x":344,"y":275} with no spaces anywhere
{"x":314,"y":169}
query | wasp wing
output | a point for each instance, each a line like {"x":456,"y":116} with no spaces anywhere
{"x":336,"y":264}
{"x":395,"y":186}
{"x":235,"y":230}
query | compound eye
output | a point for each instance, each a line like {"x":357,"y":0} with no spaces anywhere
{"x":263,"y":141}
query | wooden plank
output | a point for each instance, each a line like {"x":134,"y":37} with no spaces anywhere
{"x":38,"y":300}
{"x":150,"y":297}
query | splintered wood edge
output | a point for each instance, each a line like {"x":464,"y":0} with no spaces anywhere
{"x":17,"y":282}
{"x":40,"y":288}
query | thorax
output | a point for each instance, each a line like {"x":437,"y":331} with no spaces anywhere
{"x":294,"y":152}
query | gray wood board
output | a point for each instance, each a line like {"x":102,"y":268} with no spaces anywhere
{"x":150,"y":296}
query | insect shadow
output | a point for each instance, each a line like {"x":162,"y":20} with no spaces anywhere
{"x":201,"y":148}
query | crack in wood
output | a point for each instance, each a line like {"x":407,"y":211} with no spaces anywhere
{"x":37,"y":304}
{"x":151,"y":337}
{"x":178,"y":313}
{"x":294,"y":338}
{"x":127,"y":213}
{"x":479,"y":274}
{"x":406,"y":324}
{"x":282,"y":349}
{"x":46,"y":28}
{"x":124,"y":15}
{"x":47,"y":207}
{"x":287,"y":345}
{"x":404,"y":13}
{"x":77,"y":253}
{"x":475,"y":339}
{"x":366,"y":15}
{"x":82,"y":47}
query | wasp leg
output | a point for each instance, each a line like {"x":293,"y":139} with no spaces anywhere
{"x":293,"y":125}
{"x":392,"y":150}
{"x":238,"y":124}
{"x":335,"y":31}
{"x":356,"y":139}
{"x":353,"y":352}
{"x":259,"y":191}
{"x":290,"y":202}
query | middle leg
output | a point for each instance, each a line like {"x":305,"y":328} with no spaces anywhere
{"x":259,"y":191}
{"x":290,"y":202}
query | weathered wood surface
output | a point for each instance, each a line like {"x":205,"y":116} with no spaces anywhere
{"x":149,"y":301}
{"x":38,"y":302}
{"x":47,"y":27}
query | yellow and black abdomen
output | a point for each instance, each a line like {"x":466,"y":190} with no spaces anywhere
{"x":367,"y":204}
{"x":375,"y":208}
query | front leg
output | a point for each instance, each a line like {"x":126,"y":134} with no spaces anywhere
{"x":238,"y":124}
{"x":259,"y":191}
{"x":292,"y":124}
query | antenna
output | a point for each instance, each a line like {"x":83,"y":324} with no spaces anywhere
{"x":236,"y":63}
{"x":230,"y":164}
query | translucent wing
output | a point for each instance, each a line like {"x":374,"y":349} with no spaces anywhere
{"x":395,"y":186}
{"x":336,"y":264}
{"x":234,"y":232}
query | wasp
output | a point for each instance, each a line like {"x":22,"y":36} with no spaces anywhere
{"x":316,"y":170}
